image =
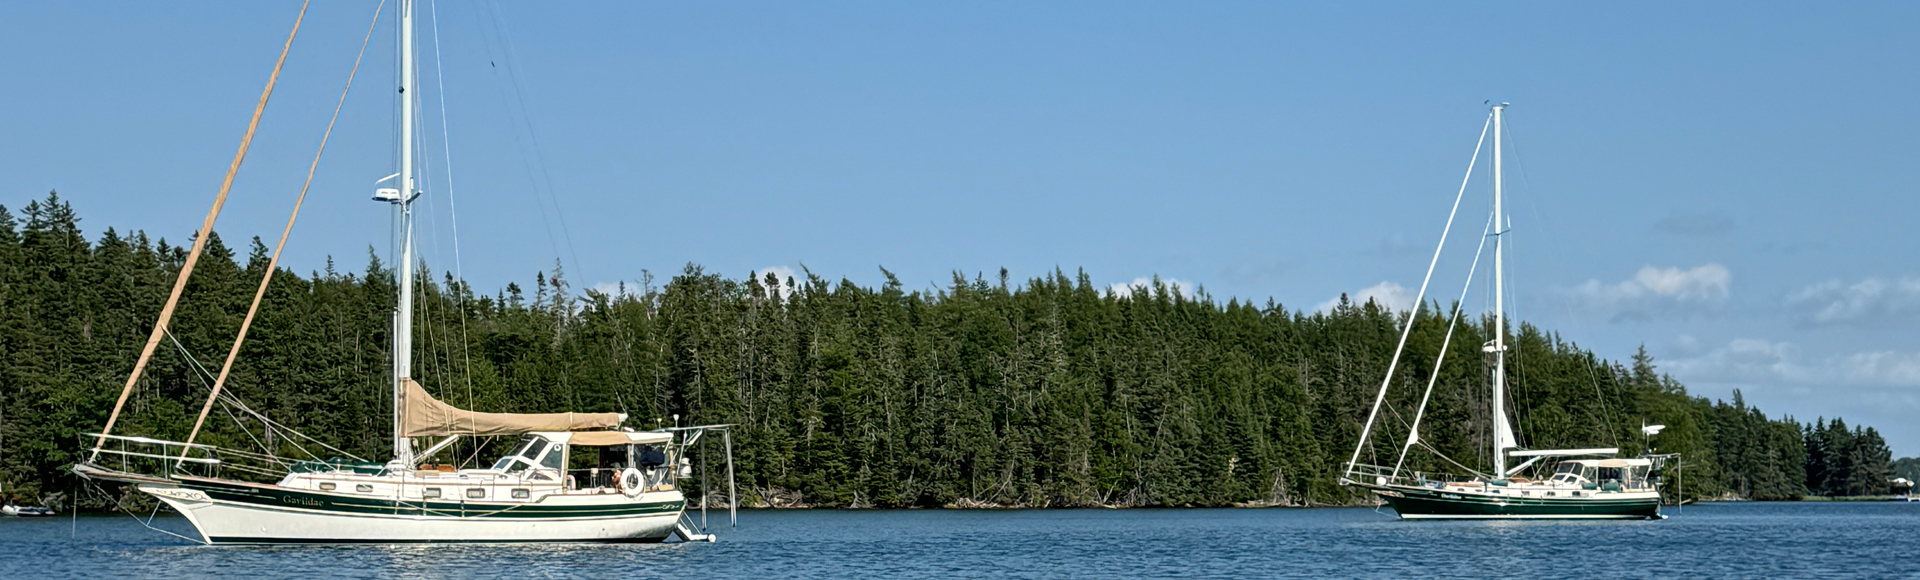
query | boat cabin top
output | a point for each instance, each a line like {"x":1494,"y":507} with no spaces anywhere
{"x":1628,"y":473}
{"x":538,"y":465}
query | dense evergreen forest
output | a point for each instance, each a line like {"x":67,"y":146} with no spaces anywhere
{"x":1051,"y":392}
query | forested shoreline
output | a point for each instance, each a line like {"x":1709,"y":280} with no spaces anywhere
{"x":1054,"y":392}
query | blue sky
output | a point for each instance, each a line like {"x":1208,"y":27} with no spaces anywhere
{"x":1730,"y":184}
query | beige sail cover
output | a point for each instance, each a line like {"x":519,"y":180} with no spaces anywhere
{"x":427,"y":416}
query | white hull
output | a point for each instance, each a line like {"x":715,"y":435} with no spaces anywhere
{"x":225,"y":522}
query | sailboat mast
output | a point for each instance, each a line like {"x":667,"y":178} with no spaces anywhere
{"x":1502,"y":433}
{"x":403,"y":208}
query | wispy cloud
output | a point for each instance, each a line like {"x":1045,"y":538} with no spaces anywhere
{"x":615,"y":289}
{"x":1869,"y":302}
{"x":1888,"y":368}
{"x":1749,"y":360}
{"x":784,"y":273}
{"x":1745,"y":360}
{"x":1388,"y":294}
{"x":1695,"y":225}
{"x":1652,"y":291}
{"x":1181,"y":287}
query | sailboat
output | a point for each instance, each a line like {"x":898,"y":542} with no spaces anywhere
{"x":531,"y":494}
{"x":1588,"y":483}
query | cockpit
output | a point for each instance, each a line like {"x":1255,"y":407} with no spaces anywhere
{"x":624,"y":460}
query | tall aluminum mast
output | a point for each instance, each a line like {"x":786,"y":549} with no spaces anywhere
{"x":1502,"y":432}
{"x":402,"y":200}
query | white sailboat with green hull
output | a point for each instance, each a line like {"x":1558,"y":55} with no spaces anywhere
{"x":1586,"y":483}
{"x":635,"y":493}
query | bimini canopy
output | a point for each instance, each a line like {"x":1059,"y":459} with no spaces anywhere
{"x":605,"y":438}
{"x":427,"y":416}
{"x":1630,"y":462}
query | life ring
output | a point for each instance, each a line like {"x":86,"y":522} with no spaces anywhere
{"x":629,"y":481}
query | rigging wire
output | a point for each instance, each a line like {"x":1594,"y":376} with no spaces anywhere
{"x":199,"y":242}
{"x":202,"y":374}
{"x":491,"y":42}
{"x":453,"y":211}
{"x":1419,"y":299}
{"x":1413,"y":432}
{"x":1519,"y":362}
{"x":230,"y":399}
{"x":273,"y":262}
{"x":1592,"y":378}
{"x":531,"y":149}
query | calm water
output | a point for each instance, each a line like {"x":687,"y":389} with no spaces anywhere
{"x":1871,"y":540}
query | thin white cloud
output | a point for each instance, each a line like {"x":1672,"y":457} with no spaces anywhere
{"x":1900,"y":369}
{"x":1657,"y":291}
{"x":1869,"y":302}
{"x":1748,"y":360}
{"x":783,"y":272}
{"x":1183,"y":288}
{"x":1880,"y":388}
{"x":1393,"y":296}
{"x":614,"y":289}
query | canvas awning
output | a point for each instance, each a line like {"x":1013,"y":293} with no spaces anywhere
{"x":1629,"y":462}
{"x":427,"y":416}
{"x":607,"y":438}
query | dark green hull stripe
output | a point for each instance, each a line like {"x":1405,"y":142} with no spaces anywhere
{"x":278,"y":498}
{"x":1425,"y":503}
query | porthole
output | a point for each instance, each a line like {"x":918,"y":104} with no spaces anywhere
{"x":430,"y":493}
{"x":520,"y":493}
{"x":326,"y":486}
{"x":363,"y":488}
{"x":476,"y":493}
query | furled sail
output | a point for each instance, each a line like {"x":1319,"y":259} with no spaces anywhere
{"x":1503,"y":434}
{"x":427,"y":416}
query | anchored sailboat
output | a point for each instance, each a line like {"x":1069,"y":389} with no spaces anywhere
{"x":532,"y":494}
{"x":1585,"y":483}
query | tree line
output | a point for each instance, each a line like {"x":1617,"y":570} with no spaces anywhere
{"x":1050,"y":392}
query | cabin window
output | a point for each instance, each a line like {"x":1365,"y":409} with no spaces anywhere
{"x":363,"y":488}
{"x":430,"y":493}
{"x":521,"y":493}
{"x":1550,"y":494}
{"x":327,"y":486}
{"x":556,"y":457}
{"x":521,"y":449}
{"x":476,"y":493}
